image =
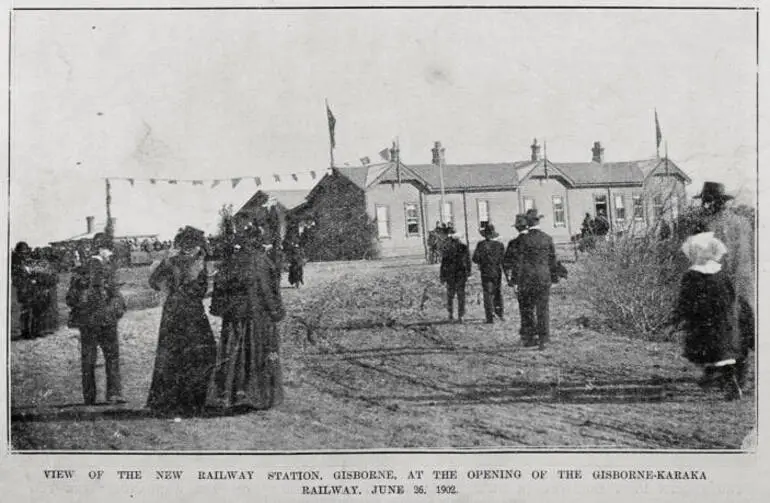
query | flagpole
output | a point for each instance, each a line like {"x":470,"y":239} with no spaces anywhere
{"x":441,"y":178}
{"x":658,"y":135}
{"x":545,"y":157}
{"x":331,"y":145}
{"x":108,"y":202}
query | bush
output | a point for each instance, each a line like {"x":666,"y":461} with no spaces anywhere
{"x":632,"y":281}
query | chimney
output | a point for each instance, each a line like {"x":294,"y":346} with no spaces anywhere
{"x":438,"y":153}
{"x":394,"y":153}
{"x":598,"y":152}
{"x":535,"y":150}
{"x":89,"y":225}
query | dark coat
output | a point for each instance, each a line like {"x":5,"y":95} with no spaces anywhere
{"x":537,"y":259}
{"x":455,"y":262}
{"x":489,"y":257}
{"x":705,"y":307}
{"x":94,"y":294}
{"x":512,"y":260}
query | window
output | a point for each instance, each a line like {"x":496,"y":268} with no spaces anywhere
{"x":657,"y":206}
{"x":483,"y":210}
{"x":412,"y":219}
{"x":638,"y":203}
{"x":620,"y":209}
{"x":559,"y":219}
{"x":449,"y":215}
{"x":600,"y":204}
{"x":529,"y":204}
{"x":383,"y":221}
{"x":675,"y":207}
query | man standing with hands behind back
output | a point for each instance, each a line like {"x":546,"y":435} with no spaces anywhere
{"x":537,"y":259}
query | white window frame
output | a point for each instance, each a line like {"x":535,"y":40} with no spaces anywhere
{"x":658,"y":206}
{"x":558,"y":210}
{"x":620,"y":210}
{"x":637,"y":201}
{"x":415,"y":220}
{"x":479,"y":204}
{"x":377,"y":207}
{"x":525,"y":200}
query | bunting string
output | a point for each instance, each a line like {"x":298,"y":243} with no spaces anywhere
{"x":213,"y":182}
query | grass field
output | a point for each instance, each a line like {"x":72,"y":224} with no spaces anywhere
{"x":370,"y":363}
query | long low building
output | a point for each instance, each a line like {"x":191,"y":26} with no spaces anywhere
{"x":404,"y":202}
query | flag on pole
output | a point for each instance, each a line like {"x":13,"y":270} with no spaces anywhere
{"x":658,"y":134}
{"x":385,"y":154}
{"x":332,"y":124}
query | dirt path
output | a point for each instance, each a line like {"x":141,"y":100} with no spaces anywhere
{"x":412,"y":382}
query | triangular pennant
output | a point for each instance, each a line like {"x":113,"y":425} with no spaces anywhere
{"x":153,"y":181}
{"x":131,"y":181}
{"x":257,"y":181}
{"x":197,"y":182}
{"x":172,"y":182}
{"x":312,"y":175}
{"x":215,"y":183}
{"x":294,"y":177}
{"x":277,"y":178}
{"x":235,"y":182}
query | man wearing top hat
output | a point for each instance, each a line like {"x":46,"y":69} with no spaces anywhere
{"x":489,"y":257}
{"x":737,"y":234}
{"x":511,"y":265}
{"x":455,"y":269}
{"x":537,"y":261}
{"x":97,"y":305}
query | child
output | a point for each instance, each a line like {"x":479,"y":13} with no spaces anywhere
{"x":706,"y":308}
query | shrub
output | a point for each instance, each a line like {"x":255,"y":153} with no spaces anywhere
{"x":632,"y":281}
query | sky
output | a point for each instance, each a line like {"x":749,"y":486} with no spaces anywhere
{"x":226,"y":94}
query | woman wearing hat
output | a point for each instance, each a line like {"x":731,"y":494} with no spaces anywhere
{"x":186,"y":352}
{"x":737,"y":233}
{"x":247,"y":297}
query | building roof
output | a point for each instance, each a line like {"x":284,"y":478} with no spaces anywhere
{"x":509,"y":175}
{"x":615,"y":173}
{"x":89,"y":236}
{"x":287,"y":198}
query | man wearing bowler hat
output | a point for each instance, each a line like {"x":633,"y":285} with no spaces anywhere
{"x":737,"y":233}
{"x":489,"y":257}
{"x":537,"y":260}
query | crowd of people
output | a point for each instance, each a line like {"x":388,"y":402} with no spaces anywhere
{"x":528,"y":264}
{"x":34,"y":311}
{"x":715,"y":309}
{"x":244,"y":366}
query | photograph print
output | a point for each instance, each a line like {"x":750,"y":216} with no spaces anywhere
{"x":382,"y":229}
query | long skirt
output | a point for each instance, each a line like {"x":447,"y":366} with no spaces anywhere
{"x":185,"y":359}
{"x":248,"y":371}
{"x":296,"y":274}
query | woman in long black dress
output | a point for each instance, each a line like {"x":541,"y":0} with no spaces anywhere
{"x":186,"y":353}
{"x":705,"y":308}
{"x":247,"y":297}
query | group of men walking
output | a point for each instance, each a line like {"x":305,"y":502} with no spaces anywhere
{"x":528,"y":263}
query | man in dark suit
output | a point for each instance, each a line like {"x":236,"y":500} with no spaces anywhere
{"x":512,"y":263}
{"x":537,"y":261}
{"x":97,"y":305}
{"x":455,"y":269}
{"x":489,"y":257}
